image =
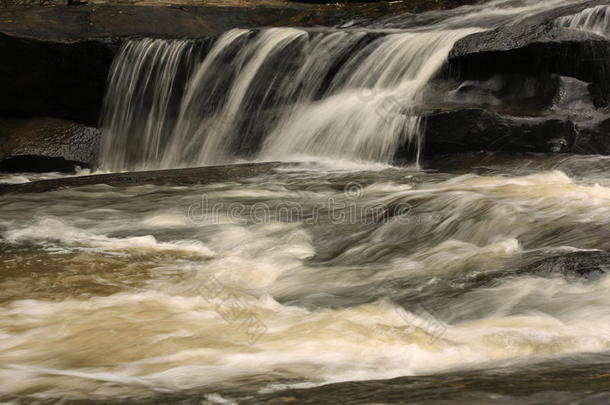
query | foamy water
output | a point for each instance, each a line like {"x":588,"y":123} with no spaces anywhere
{"x":124,"y":292}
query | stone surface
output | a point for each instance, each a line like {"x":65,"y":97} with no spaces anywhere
{"x":478,"y":129}
{"x":46,"y":144}
{"x":590,"y":265}
{"x":534,"y":49}
{"x":174,"y":177}
{"x":193,"y":19}
{"x":594,"y":137}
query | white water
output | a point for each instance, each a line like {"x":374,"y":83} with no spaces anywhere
{"x":370,"y":118}
{"x":153,"y":68}
{"x":132,"y":295}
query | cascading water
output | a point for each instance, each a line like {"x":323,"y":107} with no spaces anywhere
{"x":276,"y":92}
{"x":594,"y":19}
{"x":281,"y":92}
{"x":140,"y":100}
{"x":367,"y":115}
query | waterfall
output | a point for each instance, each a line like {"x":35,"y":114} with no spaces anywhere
{"x":139,"y":101}
{"x":594,"y":19}
{"x":271,"y":93}
{"x":368,"y":114}
{"x":279,"y":93}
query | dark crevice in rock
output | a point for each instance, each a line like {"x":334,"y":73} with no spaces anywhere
{"x":476,"y":129}
{"x":39,"y":164}
{"x":65,"y":80}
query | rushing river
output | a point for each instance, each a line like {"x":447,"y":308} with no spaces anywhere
{"x":337,"y":267}
{"x":307,"y":276}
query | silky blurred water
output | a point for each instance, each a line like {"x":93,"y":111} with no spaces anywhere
{"x":311,"y":275}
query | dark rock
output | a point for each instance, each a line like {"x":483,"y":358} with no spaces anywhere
{"x":534,"y":50}
{"x":46,"y":144}
{"x":594,"y":137}
{"x":590,"y":265}
{"x":174,"y":177}
{"x":515,"y":94}
{"x":572,"y":96}
{"x":500,"y":89}
{"x":107,"y":19}
{"x":478,"y":129}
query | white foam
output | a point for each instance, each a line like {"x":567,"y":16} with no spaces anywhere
{"x":525,"y":318}
{"x":53,"y":229}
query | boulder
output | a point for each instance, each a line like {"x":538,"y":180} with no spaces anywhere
{"x":477,"y":129}
{"x":534,"y":50}
{"x":46,"y":144}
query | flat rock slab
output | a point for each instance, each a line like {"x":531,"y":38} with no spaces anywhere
{"x":72,"y":23}
{"x":173,"y":177}
{"x":62,"y":23}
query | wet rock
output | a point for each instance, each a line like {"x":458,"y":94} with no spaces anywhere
{"x":516,"y":94}
{"x":534,"y":50}
{"x":590,"y":265}
{"x":46,"y":144}
{"x":520,"y":90}
{"x":174,"y":177}
{"x":572,"y":96}
{"x":478,"y":129}
{"x":594,"y":137}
